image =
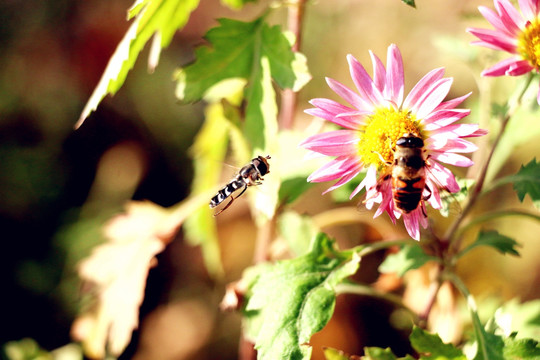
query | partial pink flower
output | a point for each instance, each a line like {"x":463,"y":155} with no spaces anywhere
{"x":377,"y":116}
{"x":514,"y":32}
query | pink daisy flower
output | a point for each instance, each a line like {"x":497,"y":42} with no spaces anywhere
{"x":378,"y":119}
{"x":516,"y":33}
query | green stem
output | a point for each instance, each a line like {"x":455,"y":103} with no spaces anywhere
{"x":477,"y":324}
{"x":494,"y":215}
{"x":476,"y":190}
{"x":363,"y":250}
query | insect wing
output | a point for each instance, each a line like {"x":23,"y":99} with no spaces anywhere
{"x":444,"y":200}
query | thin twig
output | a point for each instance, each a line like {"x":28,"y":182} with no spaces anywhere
{"x":477,"y":189}
{"x":289,"y":97}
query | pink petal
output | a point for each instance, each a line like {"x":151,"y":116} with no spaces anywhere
{"x":394,"y":75}
{"x":348,"y":95}
{"x":456,"y":130}
{"x":529,"y":8}
{"x":443,"y":177}
{"x":333,"y":170}
{"x":520,"y":68}
{"x":451,"y":158}
{"x":369,"y":181}
{"x":494,"y":39}
{"x":453,"y":145}
{"x":511,"y":65}
{"x":495,"y":20}
{"x":432,"y":97}
{"x":379,"y":72}
{"x":411,"y":224}
{"x":509,"y":15}
{"x":333,"y":143}
{"x":479,"y":132}
{"x":346,"y":178}
{"x":334,"y":112}
{"x":450,"y":104}
{"x":420,"y":88}
{"x":363,"y":81}
{"x":443,"y":117}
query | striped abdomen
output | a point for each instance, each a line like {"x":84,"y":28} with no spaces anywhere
{"x":407,"y":193}
{"x":227,"y":191}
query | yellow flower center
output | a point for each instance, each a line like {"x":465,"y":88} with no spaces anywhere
{"x":529,"y":43}
{"x":384,"y":128}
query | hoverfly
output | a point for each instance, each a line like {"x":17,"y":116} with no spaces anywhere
{"x":408,"y":173}
{"x":249,"y":175}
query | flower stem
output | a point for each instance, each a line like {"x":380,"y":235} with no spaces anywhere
{"x":434,"y":288}
{"x":471,"y":304}
{"x":289,"y":97}
{"x":494,"y":215}
{"x":477,"y":189}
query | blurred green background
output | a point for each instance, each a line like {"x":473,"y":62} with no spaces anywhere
{"x":58,"y":186}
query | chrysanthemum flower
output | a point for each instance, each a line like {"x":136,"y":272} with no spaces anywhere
{"x":516,"y":33}
{"x":377,"y":117}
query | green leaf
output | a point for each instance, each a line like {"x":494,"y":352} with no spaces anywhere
{"x":521,"y":349}
{"x":236,"y":52}
{"x":253,"y":51}
{"x":158,"y":18}
{"x":408,"y":258}
{"x":293,"y":299}
{"x":501,"y":243}
{"x":432,"y":347}
{"x":527,"y":182}
{"x":410,"y":3}
{"x":520,"y":318}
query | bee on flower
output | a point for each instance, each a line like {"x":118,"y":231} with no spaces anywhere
{"x":399,"y":141}
{"x":517,"y":33}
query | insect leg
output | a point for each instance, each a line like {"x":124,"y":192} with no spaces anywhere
{"x":231,"y":201}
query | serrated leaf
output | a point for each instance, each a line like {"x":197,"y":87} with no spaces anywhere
{"x":520,"y":318}
{"x":491,"y":347}
{"x":408,"y":258}
{"x":501,"y":243}
{"x":161,"y":18}
{"x":237,"y":49}
{"x":410,"y":3}
{"x":432,"y":347}
{"x":293,"y":299}
{"x":527,"y":182}
{"x":521,"y":349}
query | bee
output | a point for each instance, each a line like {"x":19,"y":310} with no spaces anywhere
{"x":250,"y":175}
{"x":408,"y":173}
